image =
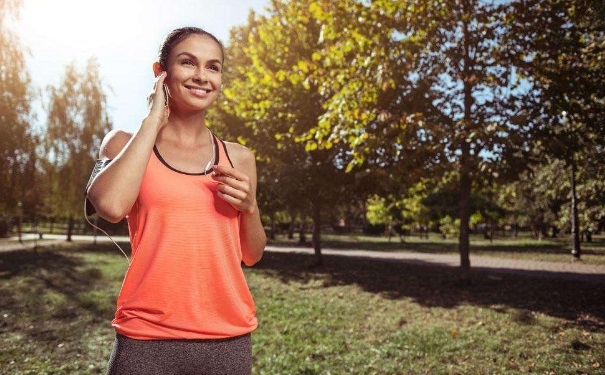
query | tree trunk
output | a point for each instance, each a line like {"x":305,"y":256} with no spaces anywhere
{"x":70,"y":227}
{"x":465,"y":214}
{"x":317,"y":233}
{"x":291,"y":228}
{"x":389,"y":231}
{"x":273,"y":227}
{"x":20,"y":223}
{"x":492,"y":231}
{"x":576,"y":251}
{"x":465,"y":175}
{"x":302,"y":239}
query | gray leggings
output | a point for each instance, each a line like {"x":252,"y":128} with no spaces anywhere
{"x":231,"y":356}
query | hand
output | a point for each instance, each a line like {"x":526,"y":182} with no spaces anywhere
{"x":235,"y":188}
{"x":156,"y":102}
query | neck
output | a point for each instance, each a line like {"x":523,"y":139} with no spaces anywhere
{"x":186,"y":130}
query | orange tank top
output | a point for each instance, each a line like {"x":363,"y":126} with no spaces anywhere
{"x":185,"y":280}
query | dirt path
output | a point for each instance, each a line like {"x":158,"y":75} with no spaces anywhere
{"x":566,"y":270}
{"x":563,"y":270}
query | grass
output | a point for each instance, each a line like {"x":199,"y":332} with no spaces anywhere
{"x":351,"y":316}
{"x":524,"y":247}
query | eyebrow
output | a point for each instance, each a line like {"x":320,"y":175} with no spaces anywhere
{"x":192,"y":56}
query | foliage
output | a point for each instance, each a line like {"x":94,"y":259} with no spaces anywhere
{"x":272,"y":102}
{"x":17,"y":137}
{"x":9,"y":8}
{"x":413,"y":208}
{"x":465,"y":109}
{"x":78,"y":120}
{"x":404,"y":92}
{"x":449,"y":227}
{"x":561,"y":53}
{"x":400,"y":212}
{"x":540,"y":198}
{"x":377,"y":212}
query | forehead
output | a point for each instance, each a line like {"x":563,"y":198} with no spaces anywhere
{"x":200,"y":46}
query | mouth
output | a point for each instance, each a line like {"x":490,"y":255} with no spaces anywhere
{"x":198,"y":90}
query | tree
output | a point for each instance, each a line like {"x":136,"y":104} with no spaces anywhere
{"x":439,"y":90}
{"x":17,"y":138}
{"x":77,"y":122}
{"x":272,"y":101}
{"x":540,"y":197}
{"x":562,"y":45}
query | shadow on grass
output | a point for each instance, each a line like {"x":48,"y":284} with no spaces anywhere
{"x":559,"y":246}
{"x":432,"y":285}
{"x":27,"y":274}
{"x":56,"y":307}
{"x":60,"y":272}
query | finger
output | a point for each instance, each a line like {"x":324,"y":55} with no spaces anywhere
{"x":237,"y":189}
{"x":232,"y":201}
{"x":158,"y":95}
{"x":232,"y":191}
{"x":231,"y":181}
{"x":159,"y":80}
{"x":236,"y":202}
{"x":159,"y":87}
{"x":221,"y":170}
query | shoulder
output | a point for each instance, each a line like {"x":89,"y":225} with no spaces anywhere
{"x":113,"y":143}
{"x":240,"y":156}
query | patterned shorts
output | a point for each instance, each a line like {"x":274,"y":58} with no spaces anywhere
{"x":231,"y":356}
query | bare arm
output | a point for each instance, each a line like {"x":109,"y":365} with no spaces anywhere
{"x":238,"y":187}
{"x":115,"y":189}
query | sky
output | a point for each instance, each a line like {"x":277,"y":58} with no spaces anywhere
{"x":123,"y":35}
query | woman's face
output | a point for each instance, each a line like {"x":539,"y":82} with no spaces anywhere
{"x":194,"y":69}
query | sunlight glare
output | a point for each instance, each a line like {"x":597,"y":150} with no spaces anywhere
{"x":76,"y":29}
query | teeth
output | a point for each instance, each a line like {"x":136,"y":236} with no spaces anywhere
{"x":200,"y":91}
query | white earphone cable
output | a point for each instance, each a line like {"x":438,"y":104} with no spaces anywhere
{"x":105,"y":233}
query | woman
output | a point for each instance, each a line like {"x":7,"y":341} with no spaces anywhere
{"x":190,"y":202}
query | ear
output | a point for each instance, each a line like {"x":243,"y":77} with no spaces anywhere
{"x":157,"y":69}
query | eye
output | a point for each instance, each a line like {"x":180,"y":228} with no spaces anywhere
{"x":215,"y":67}
{"x":187,"y":62}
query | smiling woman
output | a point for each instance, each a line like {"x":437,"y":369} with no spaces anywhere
{"x":185,"y":290}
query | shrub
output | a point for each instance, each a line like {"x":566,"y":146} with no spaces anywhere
{"x":448,"y":226}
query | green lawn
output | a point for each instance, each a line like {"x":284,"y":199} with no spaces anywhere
{"x":351,"y":316}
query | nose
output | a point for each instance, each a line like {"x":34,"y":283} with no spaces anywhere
{"x":201,"y":75}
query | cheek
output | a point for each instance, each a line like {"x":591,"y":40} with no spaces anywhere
{"x":170,"y":80}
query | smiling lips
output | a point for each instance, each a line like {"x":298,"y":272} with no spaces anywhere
{"x":198,"y":91}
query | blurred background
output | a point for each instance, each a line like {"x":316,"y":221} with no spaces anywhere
{"x":388,"y":118}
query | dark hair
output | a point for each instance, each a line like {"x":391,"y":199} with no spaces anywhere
{"x":178,"y":35}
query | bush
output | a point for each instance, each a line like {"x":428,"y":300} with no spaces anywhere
{"x":449,"y":227}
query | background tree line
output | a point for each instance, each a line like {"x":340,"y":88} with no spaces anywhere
{"x":426,"y":113}
{"x":46,"y":157}
{"x":405,"y":115}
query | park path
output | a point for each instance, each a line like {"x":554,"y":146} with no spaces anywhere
{"x":573,"y":270}
{"x":562,"y":270}
{"x":13,"y":244}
